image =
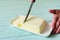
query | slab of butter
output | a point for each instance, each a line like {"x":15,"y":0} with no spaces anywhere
{"x":33,"y":24}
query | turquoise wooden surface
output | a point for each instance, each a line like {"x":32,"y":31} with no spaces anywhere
{"x":9,"y":9}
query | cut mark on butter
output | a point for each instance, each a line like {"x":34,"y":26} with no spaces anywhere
{"x":31,"y":18}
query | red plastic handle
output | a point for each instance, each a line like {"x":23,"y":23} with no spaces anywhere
{"x":33,"y":0}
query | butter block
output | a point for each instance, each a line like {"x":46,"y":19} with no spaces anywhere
{"x":33,"y":24}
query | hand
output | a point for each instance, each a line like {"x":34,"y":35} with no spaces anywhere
{"x":55,"y":21}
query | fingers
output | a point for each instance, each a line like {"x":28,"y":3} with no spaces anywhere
{"x":52,"y":11}
{"x":54,"y":31}
{"x":58,"y":28}
{"x":54,"y":21}
{"x":55,"y":11}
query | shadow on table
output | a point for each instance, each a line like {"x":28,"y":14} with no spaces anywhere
{"x":53,"y":35}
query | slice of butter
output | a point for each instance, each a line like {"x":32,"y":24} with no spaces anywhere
{"x":33,"y":24}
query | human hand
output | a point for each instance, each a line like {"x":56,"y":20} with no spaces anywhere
{"x":55,"y":21}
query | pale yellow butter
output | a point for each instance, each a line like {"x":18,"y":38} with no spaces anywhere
{"x":33,"y":24}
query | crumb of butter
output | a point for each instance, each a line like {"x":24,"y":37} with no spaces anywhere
{"x":19,"y":25}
